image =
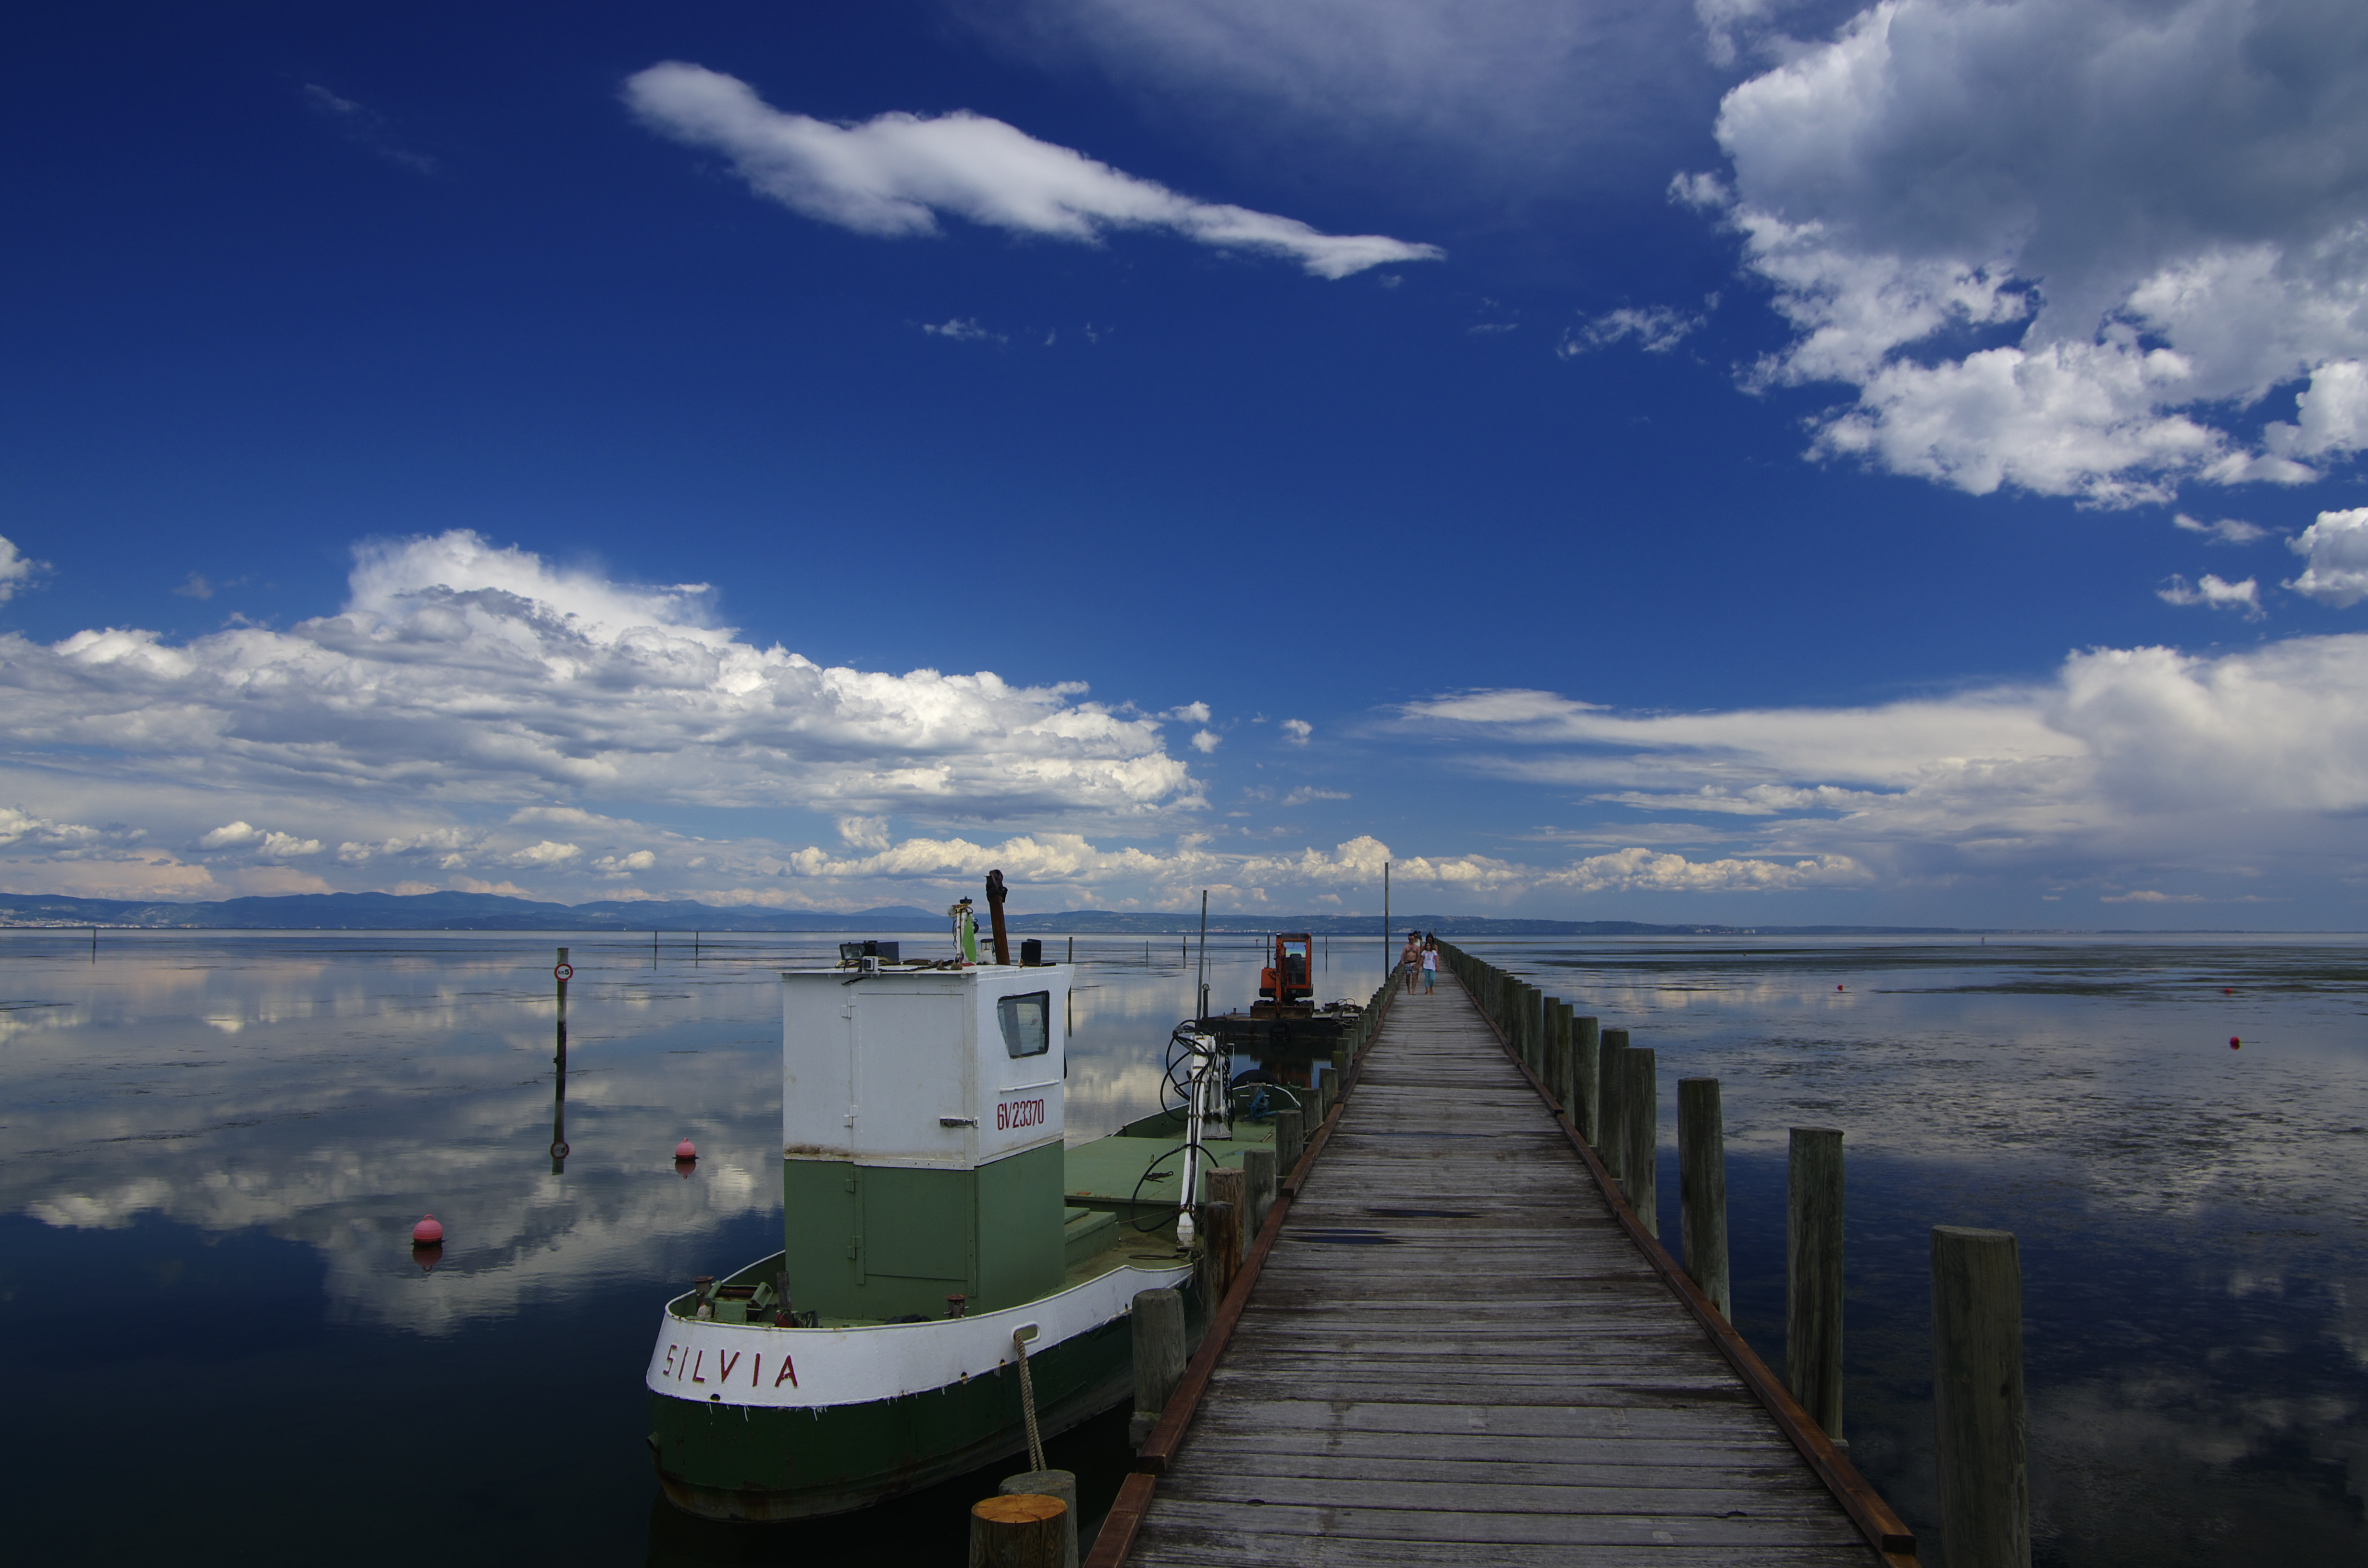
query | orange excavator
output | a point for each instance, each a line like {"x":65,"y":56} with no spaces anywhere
{"x":1287,"y":986}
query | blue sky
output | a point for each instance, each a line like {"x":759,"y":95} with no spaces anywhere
{"x":1760,"y":463}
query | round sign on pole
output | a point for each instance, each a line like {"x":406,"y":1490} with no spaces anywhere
{"x":563,"y":971}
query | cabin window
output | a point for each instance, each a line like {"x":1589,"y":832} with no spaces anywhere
{"x":1027,"y":1023}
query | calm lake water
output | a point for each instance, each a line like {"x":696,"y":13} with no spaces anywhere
{"x":212,"y":1148}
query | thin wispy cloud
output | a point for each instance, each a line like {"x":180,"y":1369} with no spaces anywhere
{"x":2213,"y":592}
{"x":366,"y":128}
{"x":2226,"y":530}
{"x":898,"y":175}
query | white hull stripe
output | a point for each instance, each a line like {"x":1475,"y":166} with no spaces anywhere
{"x":757,"y":1364}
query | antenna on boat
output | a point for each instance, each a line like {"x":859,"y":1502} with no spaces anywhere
{"x":1201,"y":982}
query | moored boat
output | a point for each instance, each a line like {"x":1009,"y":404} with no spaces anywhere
{"x":935,"y":1230}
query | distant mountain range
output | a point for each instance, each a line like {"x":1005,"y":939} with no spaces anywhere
{"x":490,"y":912}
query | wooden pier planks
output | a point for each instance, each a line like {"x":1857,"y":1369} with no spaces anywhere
{"x":1454,"y":1352}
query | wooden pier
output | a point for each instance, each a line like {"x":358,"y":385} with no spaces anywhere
{"x":1453,"y":1343}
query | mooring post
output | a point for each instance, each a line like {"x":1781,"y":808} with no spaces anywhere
{"x":1220,"y":1242}
{"x":1340,"y":1068}
{"x":1701,"y":1189}
{"x":1981,"y":1435}
{"x":1813,"y":1276}
{"x":1158,"y":1359}
{"x":1019,"y":1532}
{"x":1587,"y":1078}
{"x":1639,"y":1105}
{"x":1613,"y":1146}
{"x":1258,"y":1175}
{"x":1057,"y":1483}
{"x":1533,"y":1030}
{"x":1558,"y":1059}
{"x":1230,"y":1185}
{"x":1290,"y":1137}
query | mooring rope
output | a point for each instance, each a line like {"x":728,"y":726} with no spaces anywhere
{"x":1028,"y":1407}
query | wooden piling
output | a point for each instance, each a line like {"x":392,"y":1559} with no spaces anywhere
{"x":1613,"y":1144}
{"x":1981,"y":1442}
{"x":1701,"y":1189}
{"x":1813,"y":1276}
{"x":1534,"y":1026}
{"x":1230,"y":1185}
{"x":1640,"y":1100}
{"x":1558,"y":1059}
{"x":1158,"y":1323}
{"x":1587,"y":1079}
{"x":1289,"y":1139}
{"x":1258,"y":1173}
{"x":1219,"y":1235}
{"x":1024,"y":1531}
{"x":1058,"y":1484}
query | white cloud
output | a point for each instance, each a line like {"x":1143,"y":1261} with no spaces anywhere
{"x":1648,"y":870}
{"x":1188,"y":713}
{"x":1204,"y":741}
{"x":545,"y":855}
{"x":231,"y":835}
{"x":15,"y":570}
{"x":1296,"y":731}
{"x":964,"y":330}
{"x":1538,"y":93}
{"x":2150,"y":895}
{"x":20,"y":826}
{"x":620,"y":865}
{"x":1656,"y":329}
{"x":2127,"y":761}
{"x":1303,"y":796}
{"x":895,"y":174}
{"x":2209,"y":590}
{"x":2226,"y":530}
{"x":477,"y":674}
{"x":864,"y":833}
{"x":2337,"y":545}
{"x":2066,"y":245}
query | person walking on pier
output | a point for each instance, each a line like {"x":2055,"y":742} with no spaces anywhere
{"x":1410,"y":958}
{"x":1429,"y":962}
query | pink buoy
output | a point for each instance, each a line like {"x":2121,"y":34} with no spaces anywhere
{"x":428,"y":1233}
{"x":685,"y":1149}
{"x":2235,"y":1043}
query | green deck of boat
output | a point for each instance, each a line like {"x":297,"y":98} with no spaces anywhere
{"x":1108,"y":1174}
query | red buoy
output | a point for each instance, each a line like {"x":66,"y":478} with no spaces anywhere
{"x":2234,"y":1043}
{"x":685,"y":1149}
{"x":428,"y":1233}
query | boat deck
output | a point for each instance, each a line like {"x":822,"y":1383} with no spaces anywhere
{"x":1454,"y":1353}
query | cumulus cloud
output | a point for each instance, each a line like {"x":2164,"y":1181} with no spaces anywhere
{"x":20,"y":826}
{"x":545,"y":855}
{"x":2337,"y":545}
{"x":893,"y":176}
{"x":864,"y":833}
{"x":2209,"y":591}
{"x":16,"y":572}
{"x":479,"y":674}
{"x":2126,"y":761}
{"x":639,"y":861}
{"x":1204,"y":741}
{"x":1296,"y":731}
{"x":2070,"y":246}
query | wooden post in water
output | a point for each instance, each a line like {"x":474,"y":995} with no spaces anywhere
{"x":1587,"y":1078}
{"x":1340,"y":1070}
{"x":1701,"y":1189}
{"x":1982,"y":1440}
{"x":1158,"y":1359}
{"x":1813,"y":1276}
{"x":1639,"y":1104}
{"x":1289,"y":1139}
{"x":1058,"y":1484}
{"x":1230,"y":1185}
{"x":1611,"y":1146}
{"x":1533,"y":1030}
{"x":1558,"y":1059}
{"x":1018,"y":1532}
{"x":1221,"y":1243}
{"x":1258,"y":1173}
